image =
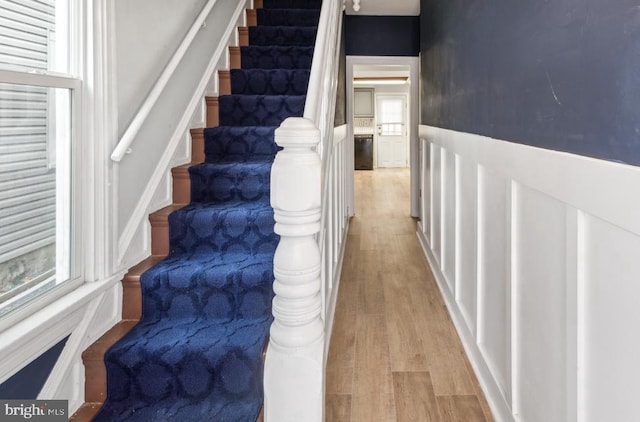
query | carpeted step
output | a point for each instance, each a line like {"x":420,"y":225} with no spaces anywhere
{"x":191,"y":369}
{"x":239,"y":142}
{"x":214,"y":286}
{"x":282,"y":35}
{"x":269,"y":81}
{"x":226,"y":180}
{"x":225,"y":227}
{"x":292,"y":4}
{"x":288,"y":17}
{"x":259,"y":110}
{"x":276,"y":57}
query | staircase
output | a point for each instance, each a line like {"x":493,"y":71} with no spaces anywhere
{"x":193,"y":350}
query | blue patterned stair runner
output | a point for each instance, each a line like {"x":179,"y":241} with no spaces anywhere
{"x":196,"y":354}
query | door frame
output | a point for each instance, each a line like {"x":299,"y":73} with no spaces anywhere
{"x":414,"y":113}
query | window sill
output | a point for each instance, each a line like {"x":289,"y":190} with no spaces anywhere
{"x":32,"y":335}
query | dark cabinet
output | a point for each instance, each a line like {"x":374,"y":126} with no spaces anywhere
{"x":363,"y":152}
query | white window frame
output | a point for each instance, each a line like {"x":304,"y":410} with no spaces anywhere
{"x":69,"y":215}
{"x":70,"y":192}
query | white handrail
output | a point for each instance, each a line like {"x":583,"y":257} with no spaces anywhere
{"x":124,"y":145}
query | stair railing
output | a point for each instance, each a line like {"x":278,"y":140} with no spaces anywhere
{"x":309,"y":198}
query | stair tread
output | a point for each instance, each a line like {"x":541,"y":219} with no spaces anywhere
{"x":162,"y":213}
{"x":99,"y":347}
{"x":133,"y":275}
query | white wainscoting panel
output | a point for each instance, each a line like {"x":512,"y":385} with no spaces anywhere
{"x":466,"y":199}
{"x":448,"y":205}
{"x":493,"y":281}
{"x":539,"y":305}
{"x":436,"y":202}
{"x":608,"y":319}
{"x":537,"y":255}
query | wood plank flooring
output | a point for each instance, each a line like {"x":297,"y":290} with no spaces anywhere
{"x":395,"y":354}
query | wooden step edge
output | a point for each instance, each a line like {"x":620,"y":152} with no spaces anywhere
{"x":213,"y":113}
{"x":243,"y":36}
{"x":224,"y":82}
{"x":131,"y":291}
{"x":235,"y":60}
{"x":252,"y":17}
{"x":197,"y":142}
{"x":96,"y":350}
{"x":160,"y":229}
{"x":181,"y":184}
{"x":95,"y":384}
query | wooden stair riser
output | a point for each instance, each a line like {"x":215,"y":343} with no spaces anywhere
{"x":131,"y":292}
{"x":160,"y":229}
{"x":234,"y":57}
{"x":224,"y":82}
{"x":197,"y":145}
{"x":95,"y":386}
{"x":181,"y":184}
{"x":243,"y":36}
{"x":212,"y":112}
{"x":252,"y":17}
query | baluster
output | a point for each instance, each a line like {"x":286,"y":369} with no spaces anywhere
{"x":294,"y":363}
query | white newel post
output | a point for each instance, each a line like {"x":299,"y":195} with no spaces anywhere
{"x":293,"y":378}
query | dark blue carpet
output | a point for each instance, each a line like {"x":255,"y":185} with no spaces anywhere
{"x":196,"y":354}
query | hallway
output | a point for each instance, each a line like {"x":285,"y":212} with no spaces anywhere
{"x":395,"y":354}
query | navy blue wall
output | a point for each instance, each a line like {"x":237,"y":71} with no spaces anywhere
{"x":382,"y":35}
{"x":27,"y":383}
{"x":561,"y":74}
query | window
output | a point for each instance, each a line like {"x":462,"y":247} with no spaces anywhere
{"x":391,"y":117}
{"x":39,"y":109}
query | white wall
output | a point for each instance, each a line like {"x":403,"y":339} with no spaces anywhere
{"x":536,"y":254}
{"x":148,"y":32}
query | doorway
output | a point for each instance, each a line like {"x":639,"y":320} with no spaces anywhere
{"x":400,"y":77}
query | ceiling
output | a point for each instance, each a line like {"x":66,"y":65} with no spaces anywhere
{"x":385,"y":7}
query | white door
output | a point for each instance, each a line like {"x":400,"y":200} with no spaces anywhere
{"x":391,"y":122}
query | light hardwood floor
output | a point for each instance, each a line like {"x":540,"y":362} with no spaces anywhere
{"x":395,"y":354}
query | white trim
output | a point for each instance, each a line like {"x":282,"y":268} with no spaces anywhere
{"x":37,"y":78}
{"x":101,"y":116}
{"x":413,"y":116}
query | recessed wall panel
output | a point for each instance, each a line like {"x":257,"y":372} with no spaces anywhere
{"x":494,"y":323}
{"x":609,"y":318}
{"x":539,"y":306}
{"x":466,"y":239}
{"x":436,"y":201}
{"x":449,"y":218}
